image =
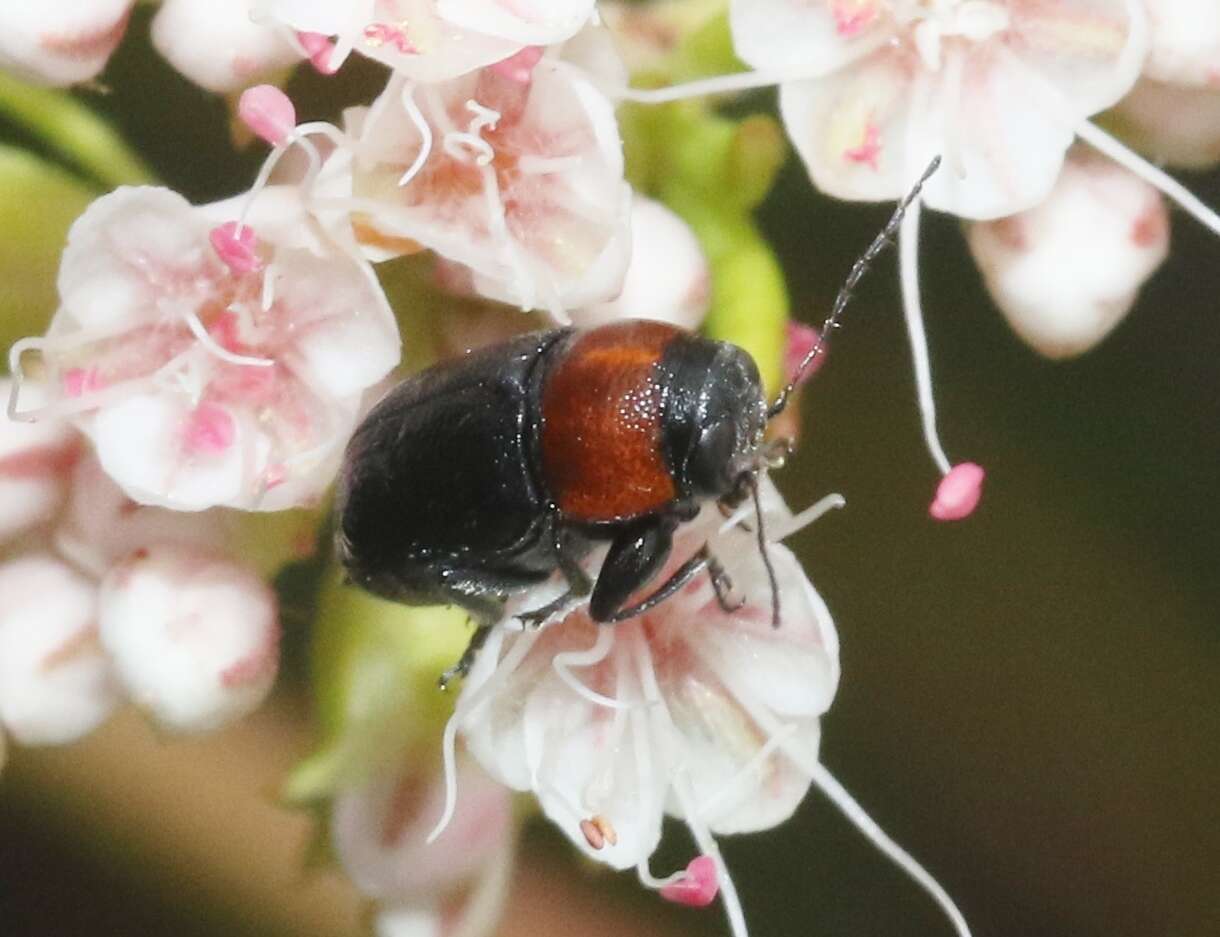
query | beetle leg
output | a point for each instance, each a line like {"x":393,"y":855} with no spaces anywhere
{"x":579,"y":583}
{"x":722,"y":585}
{"x":634,"y":558}
{"x":466,"y":661}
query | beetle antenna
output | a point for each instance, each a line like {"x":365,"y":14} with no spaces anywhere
{"x":761,"y":532}
{"x":847,"y":290}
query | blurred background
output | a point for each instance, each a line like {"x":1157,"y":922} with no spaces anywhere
{"x":1029,"y":699}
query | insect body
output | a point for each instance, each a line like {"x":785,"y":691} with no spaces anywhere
{"x":481,"y":477}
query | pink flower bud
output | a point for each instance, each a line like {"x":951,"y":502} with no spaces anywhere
{"x":217,"y":45}
{"x":1067,"y":271}
{"x":60,"y":42}
{"x":55,"y":683}
{"x":194,"y":638}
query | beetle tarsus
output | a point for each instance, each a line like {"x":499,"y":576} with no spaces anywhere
{"x":466,"y":661}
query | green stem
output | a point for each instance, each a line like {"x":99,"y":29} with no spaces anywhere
{"x":72,"y":131}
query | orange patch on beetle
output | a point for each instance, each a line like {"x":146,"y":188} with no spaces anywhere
{"x":601,"y":424}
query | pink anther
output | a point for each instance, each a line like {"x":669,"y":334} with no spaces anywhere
{"x":802,"y":339}
{"x":378,"y":34}
{"x":519,"y":67}
{"x":319,"y":48}
{"x":958,"y":493}
{"x":869,"y":150}
{"x":267,"y":111}
{"x":209,"y":430}
{"x":698,"y":887}
{"x":236,"y":245}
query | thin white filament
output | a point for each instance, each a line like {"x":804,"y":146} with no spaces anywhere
{"x":908,"y":264}
{"x":686,"y":798}
{"x":466,"y":705}
{"x":1100,"y":140}
{"x":830,"y":502}
{"x":709,"y":806}
{"x":214,"y":348}
{"x":425,"y":133}
{"x":747,"y":81}
{"x":835,"y":792}
{"x":838,"y":795}
{"x":594,"y":655}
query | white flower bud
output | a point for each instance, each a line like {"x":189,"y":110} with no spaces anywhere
{"x":216,"y":45}
{"x":668,"y":278}
{"x":1185,"y":42}
{"x":35,"y":462}
{"x":194,"y":638}
{"x":60,"y":42}
{"x":1066,"y":272}
{"x":55,"y":683}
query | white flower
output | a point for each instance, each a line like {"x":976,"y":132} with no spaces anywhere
{"x":455,"y":886}
{"x":522,"y":182}
{"x":210,"y":369}
{"x":215,"y":43}
{"x":1066,"y":272}
{"x":55,"y":683}
{"x":36,"y":462}
{"x":431,"y":40}
{"x":668,"y":277}
{"x":194,"y":637}
{"x":60,"y":42}
{"x":893,"y":83}
{"x":707,"y":715}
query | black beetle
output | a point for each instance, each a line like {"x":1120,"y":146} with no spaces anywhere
{"x":479,"y":478}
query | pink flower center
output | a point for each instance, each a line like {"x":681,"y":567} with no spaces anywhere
{"x":853,"y":16}
{"x":869,"y":149}
{"x":81,"y":381}
{"x":209,"y":430}
{"x":519,"y":67}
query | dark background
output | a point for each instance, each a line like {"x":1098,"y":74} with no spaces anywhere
{"x":1029,"y":699}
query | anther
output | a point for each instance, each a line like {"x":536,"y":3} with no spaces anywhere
{"x":958,"y":493}
{"x":237,"y":246}
{"x":269,"y":112}
{"x":598,"y":831}
{"x":698,"y":887}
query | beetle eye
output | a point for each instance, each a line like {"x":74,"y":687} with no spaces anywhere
{"x":707,"y":468}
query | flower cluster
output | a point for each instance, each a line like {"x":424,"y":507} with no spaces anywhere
{"x":103,"y":600}
{"x":205,"y":366}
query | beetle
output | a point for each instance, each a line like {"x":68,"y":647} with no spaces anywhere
{"x":481,"y":477}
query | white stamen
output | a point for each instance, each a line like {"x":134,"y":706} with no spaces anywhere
{"x":838,"y":795}
{"x":708,"y":807}
{"x":269,"y":277}
{"x":908,"y":264}
{"x":1100,"y":140}
{"x":780,"y":531}
{"x":833,"y":790}
{"x":425,"y":133}
{"x":708,"y":846}
{"x":467,"y":705}
{"x":748,"y":81}
{"x":648,"y":880}
{"x":588,"y":658}
{"x":213,"y":347}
